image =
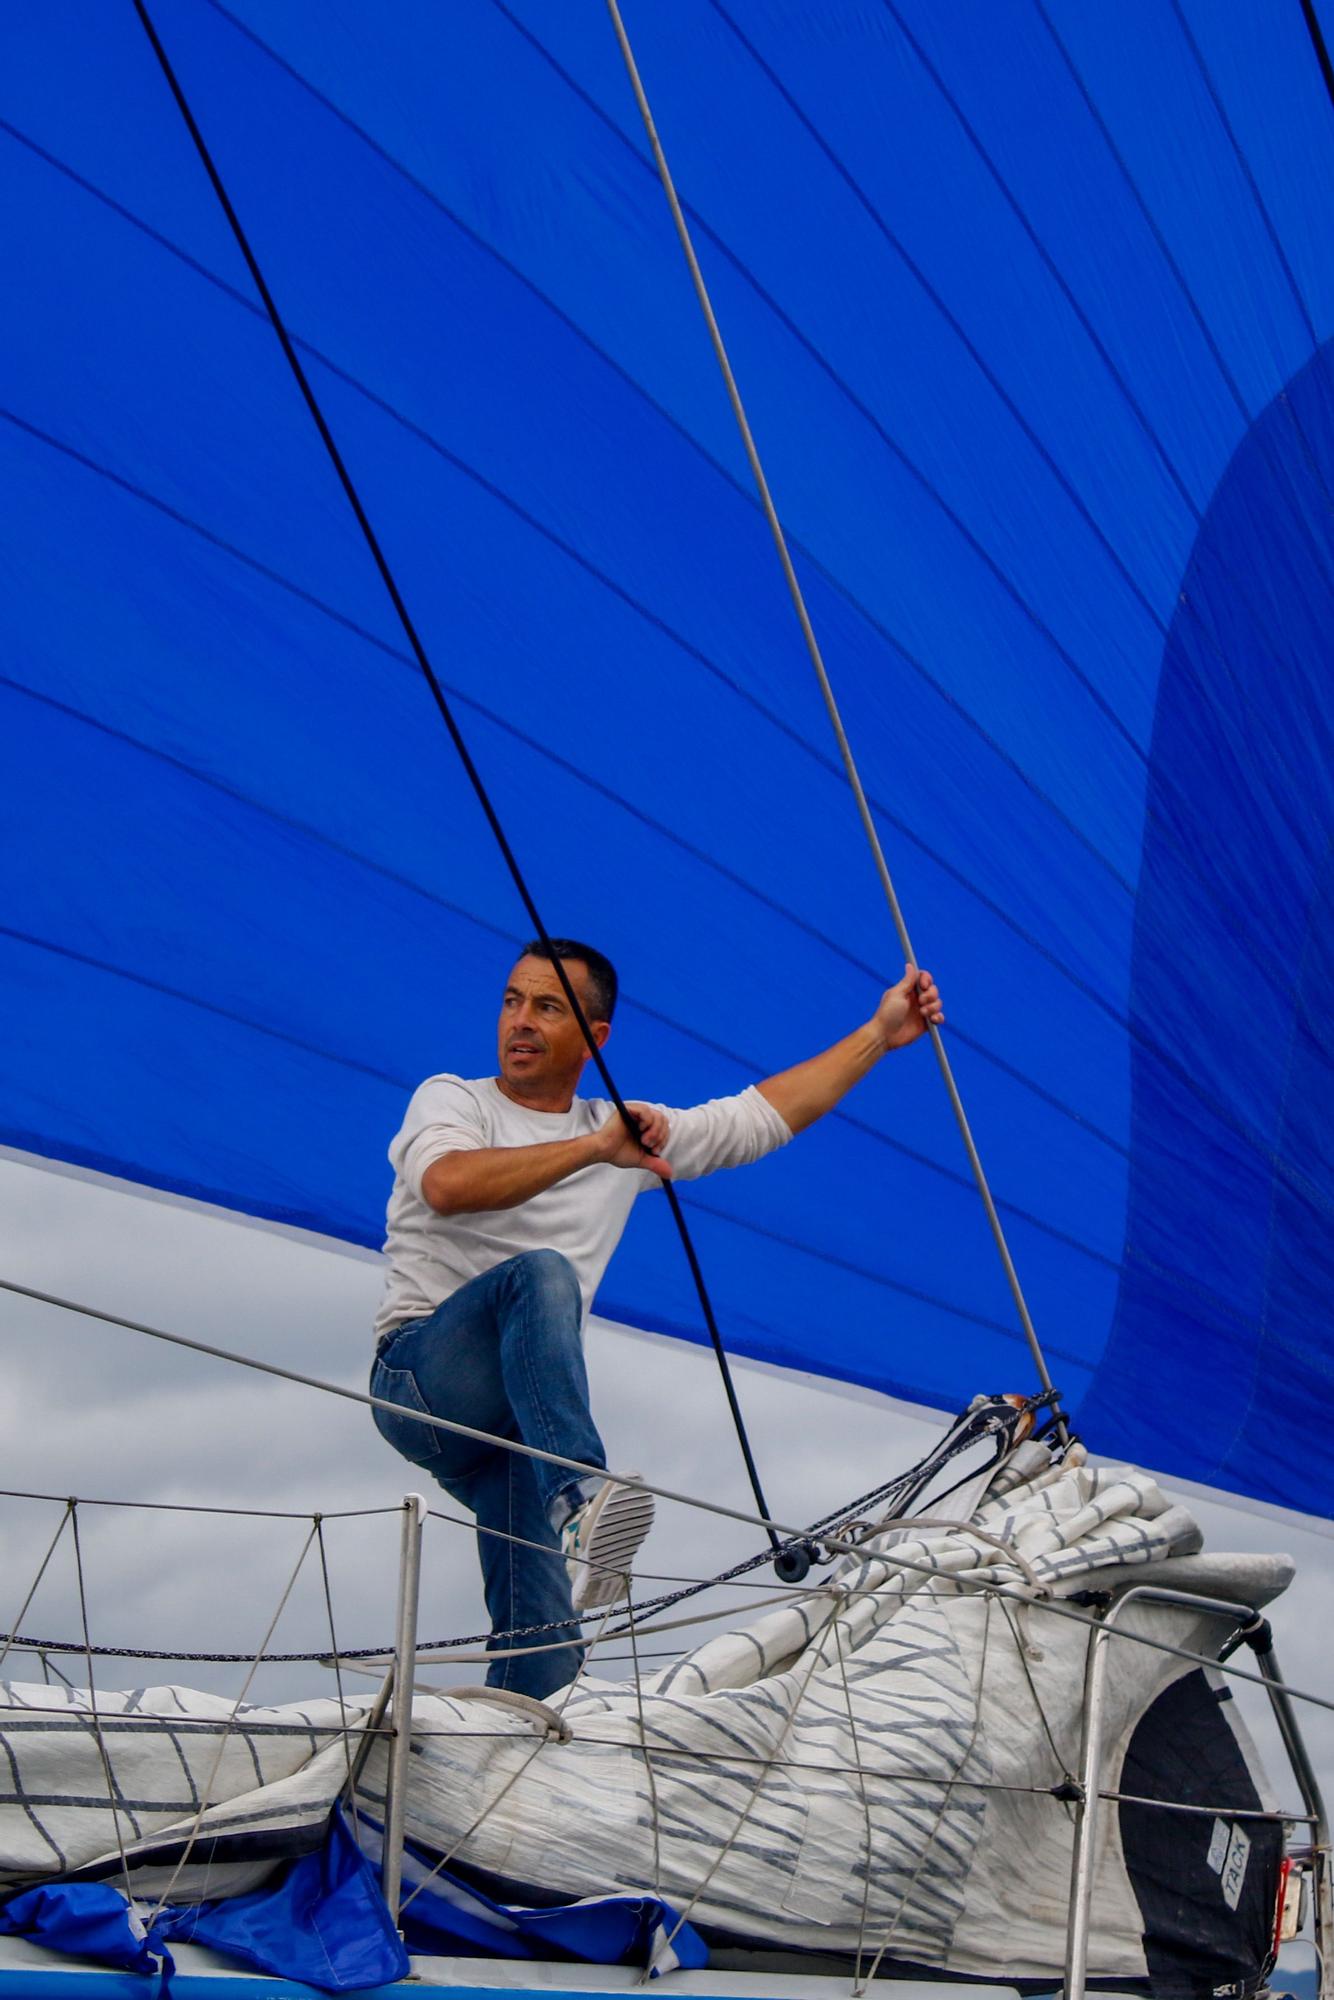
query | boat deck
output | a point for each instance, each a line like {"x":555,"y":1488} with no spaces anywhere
{"x":28,"y":1972}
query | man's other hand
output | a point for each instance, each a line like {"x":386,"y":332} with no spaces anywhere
{"x":909,"y":1009}
{"x":620,"y":1149}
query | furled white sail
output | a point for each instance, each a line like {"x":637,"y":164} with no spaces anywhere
{"x":870,"y":1766}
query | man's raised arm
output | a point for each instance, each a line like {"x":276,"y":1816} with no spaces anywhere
{"x":475,"y":1179}
{"x":804,"y":1093}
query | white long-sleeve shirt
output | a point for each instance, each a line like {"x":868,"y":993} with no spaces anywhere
{"x":431,"y":1255}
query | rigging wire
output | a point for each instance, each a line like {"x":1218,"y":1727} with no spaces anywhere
{"x":228,"y":1729}
{"x":751,"y":1800}
{"x":830,"y":701}
{"x":944,"y":1804}
{"x":837,"y":1545}
{"x":128,"y":1722}
{"x":577,"y":1466}
{"x":119,"y":1722}
{"x":115,"y":1795}
{"x":474,"y":775}
{"x":10,"y":1639}
{"x":202,"y":1507}
{"x":515,"y":1775}
{"x":867,"y":1821}
{"x":350,"y":1786}
{"x":1021,"y":1645}
{"x":774,"y":1530}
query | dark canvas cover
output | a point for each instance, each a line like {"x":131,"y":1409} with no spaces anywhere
{"x":1206,"y":1881}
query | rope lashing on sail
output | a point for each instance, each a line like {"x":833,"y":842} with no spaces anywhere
{"x":650,"y":1775}
{"x":1023,"y":1655}
{"x":564,"y":1734}
{"x":942,"y":1806}
{"x":793,"y":1559}
{"x":751,"y":1800}
{"x":827,"y":693}
{"x":868,"y":1827}
{"x":230,"y":1727}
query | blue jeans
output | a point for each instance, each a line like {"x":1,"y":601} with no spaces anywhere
{"x":504,"y":1355}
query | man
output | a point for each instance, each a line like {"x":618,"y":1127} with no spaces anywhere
{"x":510,"y":1195}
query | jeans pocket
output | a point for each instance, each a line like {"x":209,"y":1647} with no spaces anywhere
{"x":418,"y":1442}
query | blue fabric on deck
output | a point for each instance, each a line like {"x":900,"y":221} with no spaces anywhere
{"x":85,"y":1920}
{"x":325,"y":1923}
{"x":1032,"y":311}
{"x":444,"y":1914}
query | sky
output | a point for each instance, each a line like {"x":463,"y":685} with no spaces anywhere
{"x":110,"y":1415}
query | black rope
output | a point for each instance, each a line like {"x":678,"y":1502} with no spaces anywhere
{"x":1318,"y":42}
{"x":17,"y":1640}
{"x":903,"y":1487}
{"x":456,"y":736}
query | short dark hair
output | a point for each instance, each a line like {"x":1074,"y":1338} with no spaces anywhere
{"x":602,"y":980}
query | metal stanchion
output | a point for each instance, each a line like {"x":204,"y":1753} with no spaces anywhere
{"x":1090,"y":1762}
{"x":405,"y":1663}
{"x":1081,"y":1865}
{"x":1260,"y":1639}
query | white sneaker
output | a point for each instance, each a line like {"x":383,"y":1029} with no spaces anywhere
{"x":601,"y":1540}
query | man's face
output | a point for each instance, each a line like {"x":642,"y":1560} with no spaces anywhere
{"x":540,"y":1045}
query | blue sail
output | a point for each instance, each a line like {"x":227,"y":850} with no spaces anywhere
{"x":1032,"y":307}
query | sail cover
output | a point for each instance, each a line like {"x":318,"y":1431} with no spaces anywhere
{"x":1032,"y":308}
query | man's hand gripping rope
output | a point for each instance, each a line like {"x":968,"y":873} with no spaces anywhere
{"x":621,"y":1148}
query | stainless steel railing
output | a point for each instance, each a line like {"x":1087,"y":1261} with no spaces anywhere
{"x":1250,"y":1629}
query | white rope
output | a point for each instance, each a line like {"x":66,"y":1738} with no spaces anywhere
{"x":551,"y":1722}
{"x":513,"y":1778}
{"x":1021,"y":1648}
{"x":338,"y":1674}
{"x":73,"y":1517}
{"x":859,"y":1767}
{"x":649,"y":1772}
{"x":941,"y":1809}
{"x":768,"y":1763}
{"x":826,"y":689}
{"x":32,"y":1588}
{"x":226,"y":1736}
